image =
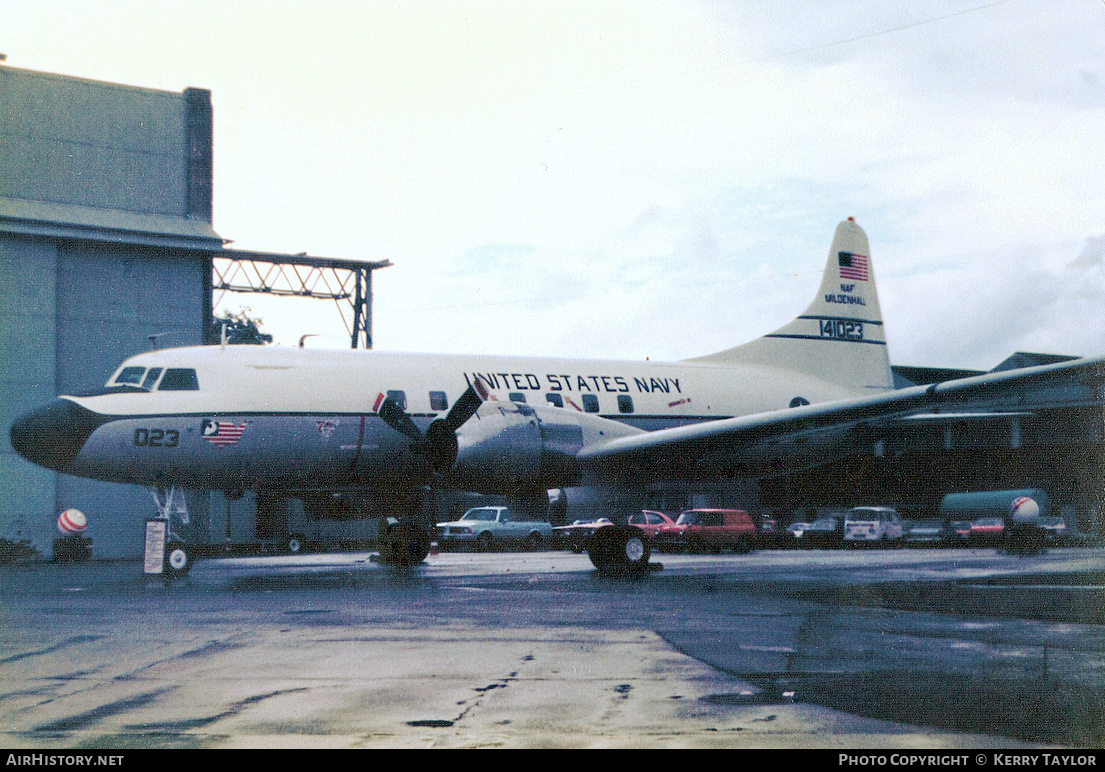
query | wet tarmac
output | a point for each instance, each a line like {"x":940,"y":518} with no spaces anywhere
{"x":871,"y":649}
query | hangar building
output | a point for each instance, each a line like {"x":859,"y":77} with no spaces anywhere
{"x":107,"y":249}
{"x":105,"y":239}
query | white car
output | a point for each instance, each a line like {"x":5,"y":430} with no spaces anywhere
{"x":489,"y":527}
{"x":867,"y":525}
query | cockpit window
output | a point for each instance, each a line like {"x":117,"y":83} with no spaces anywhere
{"x":137,"y":377}
{"x":146,"y":379}
{"x":130,"y":375}
{"x":151,"y":378}
{"x":179,"y":379}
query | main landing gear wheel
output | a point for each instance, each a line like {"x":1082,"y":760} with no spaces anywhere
{"x":620,"y":550}
{"x":1021,"y":539}
{"x":403,"y":544}
{"x":178,"y":559}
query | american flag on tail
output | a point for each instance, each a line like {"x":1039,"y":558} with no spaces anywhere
{"x":853,"y":267}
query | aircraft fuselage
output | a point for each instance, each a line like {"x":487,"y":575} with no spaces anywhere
{"x":282,"y":418}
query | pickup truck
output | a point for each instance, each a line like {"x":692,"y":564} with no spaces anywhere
{"x":489,"y":527}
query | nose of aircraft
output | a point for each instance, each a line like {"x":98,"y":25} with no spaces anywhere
{"x":52,"y":435}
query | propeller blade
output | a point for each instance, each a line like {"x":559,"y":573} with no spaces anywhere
{"x":439,"y":444}
{"x":440,"y":447}
{"x":466,"y":406}
{"x":395,"y":417}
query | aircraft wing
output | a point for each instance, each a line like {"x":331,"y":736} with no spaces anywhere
{"x":784,"y":441}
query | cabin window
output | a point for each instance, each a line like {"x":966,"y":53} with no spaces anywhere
{"x":399,"y":398}
{"x":151,"y":378}
{"x":438,"y":401}
{"x":179,"y":379}
{"x":131,"y":375}
{"x":625,"y":403}
{"x":555,"y":400}
{"x":590,"y":403}
{"x":516,"y":396}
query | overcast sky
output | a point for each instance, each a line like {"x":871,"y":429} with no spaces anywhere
{"x":641,"y":179}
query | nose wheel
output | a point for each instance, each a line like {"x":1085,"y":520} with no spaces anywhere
{"x":178,"y":558}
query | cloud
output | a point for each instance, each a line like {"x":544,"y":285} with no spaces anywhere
{"x":643,"y":179}
{"x":976,"y":314}
{"x":1092,"y":254}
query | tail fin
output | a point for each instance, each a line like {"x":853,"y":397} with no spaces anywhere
{"x":840,"y":337}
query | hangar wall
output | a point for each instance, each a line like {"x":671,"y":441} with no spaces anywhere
{"x":105,"y":237}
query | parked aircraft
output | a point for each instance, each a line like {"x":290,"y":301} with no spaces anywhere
{"x":292,"y":419}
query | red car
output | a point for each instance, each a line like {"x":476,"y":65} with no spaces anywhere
{"x":712,"y":529}
{"x":577,"y":536}
{"x":653,"y":523}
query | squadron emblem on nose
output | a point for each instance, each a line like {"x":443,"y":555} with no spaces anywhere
{"x":221,"y":433}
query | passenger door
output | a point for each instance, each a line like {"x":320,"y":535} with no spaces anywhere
{"x":508,"y":527}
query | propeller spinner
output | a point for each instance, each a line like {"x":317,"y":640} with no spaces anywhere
{"x":439,"y":444}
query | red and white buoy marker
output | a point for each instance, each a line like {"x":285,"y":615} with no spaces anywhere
{"x":72,"y":522}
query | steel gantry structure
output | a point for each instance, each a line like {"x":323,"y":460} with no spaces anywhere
{"x":347,"y":282}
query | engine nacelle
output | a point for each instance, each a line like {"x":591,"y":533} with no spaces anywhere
{"x":616,"y":504}
{"x":510,"y":448}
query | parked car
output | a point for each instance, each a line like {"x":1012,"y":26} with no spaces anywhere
{"x":987,"y":531}
{"x":797,"y":529}
{"x":490,"y":527}
{"x":873,"y":525}
{"x":653,"y":523}
{"x":772,"y":535}
{"x":577,"y":536}
{"x":930,"y":532}
{"x":824,"y":532}
{"x":711,"y":529}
